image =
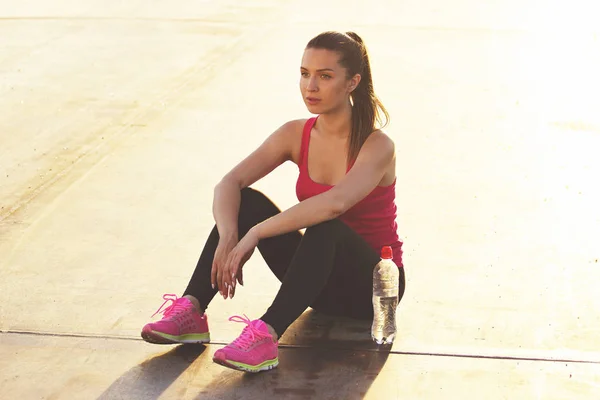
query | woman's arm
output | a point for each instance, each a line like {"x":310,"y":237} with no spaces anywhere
{"x":274,"y":151}
{"x":370,"y":167}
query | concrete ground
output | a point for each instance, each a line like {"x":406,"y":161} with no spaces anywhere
{"x":117,"y":118}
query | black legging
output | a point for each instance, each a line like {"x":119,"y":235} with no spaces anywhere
{"x":329,"y":268}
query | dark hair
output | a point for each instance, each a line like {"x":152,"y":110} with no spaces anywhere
{"x":366,"y":107}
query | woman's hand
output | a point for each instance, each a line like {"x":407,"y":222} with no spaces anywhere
{"x":236,"y":260}
{"x":226,"y":244}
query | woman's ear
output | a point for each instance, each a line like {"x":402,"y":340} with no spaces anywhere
{"x":353,"y":83}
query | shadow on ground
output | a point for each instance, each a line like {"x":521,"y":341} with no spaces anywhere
{"x":151,"y":378}
{"x":303,"y":374}
{"x":320,"y":357}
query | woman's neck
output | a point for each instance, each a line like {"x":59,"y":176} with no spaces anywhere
{"x":337,"y":123}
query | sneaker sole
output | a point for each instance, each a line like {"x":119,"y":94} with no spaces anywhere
{"x":163,"y":338}
{"x":266,"y":366}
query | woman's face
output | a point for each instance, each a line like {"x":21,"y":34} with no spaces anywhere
{"x":324,"y":83}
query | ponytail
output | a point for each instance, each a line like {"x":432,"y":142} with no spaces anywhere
{"x":367,"y":109}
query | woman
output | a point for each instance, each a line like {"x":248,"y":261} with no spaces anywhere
{"x":346,"y":189}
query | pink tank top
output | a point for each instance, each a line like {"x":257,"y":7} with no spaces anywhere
{"x":373,"y":218}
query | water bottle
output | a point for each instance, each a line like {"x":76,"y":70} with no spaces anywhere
{"x":385,"y":298}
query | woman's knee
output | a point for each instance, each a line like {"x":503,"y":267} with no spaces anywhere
{"x":249,"y":194}
{"x":252,"y":199}
{"x":326,"y":229}
{"x":255,"y":207}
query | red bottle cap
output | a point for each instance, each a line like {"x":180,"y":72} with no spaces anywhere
{"x":386,"y":253}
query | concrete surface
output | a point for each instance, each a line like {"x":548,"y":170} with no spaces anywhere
{"x":117,"y":118}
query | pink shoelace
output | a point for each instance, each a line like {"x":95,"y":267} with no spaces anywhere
{"x":174,"y":308}
{"x":250,"y":333}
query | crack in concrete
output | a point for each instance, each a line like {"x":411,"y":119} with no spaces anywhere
{"x":292,"y":346}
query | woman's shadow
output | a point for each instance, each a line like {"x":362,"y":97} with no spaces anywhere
{"x":321,"y":357}
{"x":151,"y":378}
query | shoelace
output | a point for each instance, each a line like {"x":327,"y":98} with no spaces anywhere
{"x":249,"y":334}
{"x":173,"y":308}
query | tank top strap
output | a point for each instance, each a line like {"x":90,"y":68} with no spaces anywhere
{"x":305,"y":140}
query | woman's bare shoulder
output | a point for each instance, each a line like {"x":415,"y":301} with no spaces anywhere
{"x":380,"y":140}
{"x":295,"y":126}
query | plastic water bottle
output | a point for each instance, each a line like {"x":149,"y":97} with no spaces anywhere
{"x":385,"y":298}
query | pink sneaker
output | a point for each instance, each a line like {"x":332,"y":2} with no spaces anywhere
{"x":181,"y":323}
{"x":253,"y":351}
